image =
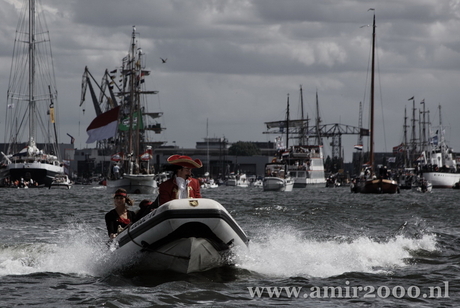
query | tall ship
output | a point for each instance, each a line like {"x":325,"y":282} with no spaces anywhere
{"x":31,"y":155}
{"x":124,"y":125}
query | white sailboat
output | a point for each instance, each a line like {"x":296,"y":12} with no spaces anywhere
{"x":31,"y":103}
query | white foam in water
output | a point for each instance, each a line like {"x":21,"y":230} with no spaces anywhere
{"x":281,"y":252}
{"x":286,"y":253}
{"x":77,"y":250}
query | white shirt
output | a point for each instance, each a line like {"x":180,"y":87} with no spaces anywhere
{"x":182,"y":185}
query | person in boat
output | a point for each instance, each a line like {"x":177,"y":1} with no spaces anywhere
{"x":120,"y":216}
{"x":116,"y":171}
{"x":181,"y":185}
{"x":145,"y":207}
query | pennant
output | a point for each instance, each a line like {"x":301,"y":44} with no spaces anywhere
{"x":103,"y":126}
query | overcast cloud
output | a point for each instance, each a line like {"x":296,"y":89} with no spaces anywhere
{"x":234,"y":62}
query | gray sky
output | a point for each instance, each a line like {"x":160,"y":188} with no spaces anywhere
{"x":234,"y":62}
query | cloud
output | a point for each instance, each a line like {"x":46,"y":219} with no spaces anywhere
{"x":234,"y":62}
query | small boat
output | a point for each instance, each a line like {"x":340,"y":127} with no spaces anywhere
{"x":61,"y":181}
{"x":183,"y":235}
{"x":420,"y":184}
{"x":276,"y":178}
{"x":257,"y":183}
{"x":239,"y":180}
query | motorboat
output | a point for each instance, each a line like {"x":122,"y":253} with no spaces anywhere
{"x":61,"y":181}
{"x":420,"y":184}
{"x":239,"y":180}
{"x":276,"y":178}
{"x":183,"y":235}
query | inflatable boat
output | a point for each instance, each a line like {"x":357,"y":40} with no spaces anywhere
{"x":183,"y":235}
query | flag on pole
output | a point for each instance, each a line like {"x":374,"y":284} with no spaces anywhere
{"x":117,"y":156}
{"x":52,"y":118}
{"x":391,"y":159}
{"x":103,"y":126}
{"x":146,"y":155}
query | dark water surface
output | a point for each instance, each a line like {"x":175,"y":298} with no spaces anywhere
{"x":371,"y":250}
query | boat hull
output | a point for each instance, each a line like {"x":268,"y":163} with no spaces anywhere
{"x":41,"y":173}
{"x":442,"y":179}
{"x":134,"y":184}
{"x":60,"y":186}
{"x":277,"y":184}
{"x":377,"y":186}
{"x":183,"y":235}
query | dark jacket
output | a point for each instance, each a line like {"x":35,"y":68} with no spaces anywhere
{"x":112,"y":221}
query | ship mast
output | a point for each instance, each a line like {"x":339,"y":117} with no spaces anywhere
{"x":371,"y":146}
{"x":31,"y":44}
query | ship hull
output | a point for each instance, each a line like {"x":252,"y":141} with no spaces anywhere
{"x":134,"y":184}
{"x":442,"y":179}
{"x":41,"y":173}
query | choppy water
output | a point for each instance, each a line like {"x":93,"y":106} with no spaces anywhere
{"x":53,"y":252}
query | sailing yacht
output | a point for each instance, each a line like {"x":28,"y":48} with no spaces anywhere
{"x":370,"y":182}
{"x":31,"y":104}
{"x":123,"y":129}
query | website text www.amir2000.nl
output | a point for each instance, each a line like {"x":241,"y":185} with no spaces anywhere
{"x":347,"y":291}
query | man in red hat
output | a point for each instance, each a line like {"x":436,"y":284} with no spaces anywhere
{"x":181,"y":185}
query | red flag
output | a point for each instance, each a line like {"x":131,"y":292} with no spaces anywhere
{"x":103,"y":126}
{"x":146,"y":155}
{"x":117,"y":156}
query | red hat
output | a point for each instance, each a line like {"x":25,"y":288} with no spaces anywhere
{"x":184,"y":161}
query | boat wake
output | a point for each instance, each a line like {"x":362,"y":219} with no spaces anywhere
{"x":287,"y":253}
{"x":279,"y":252}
